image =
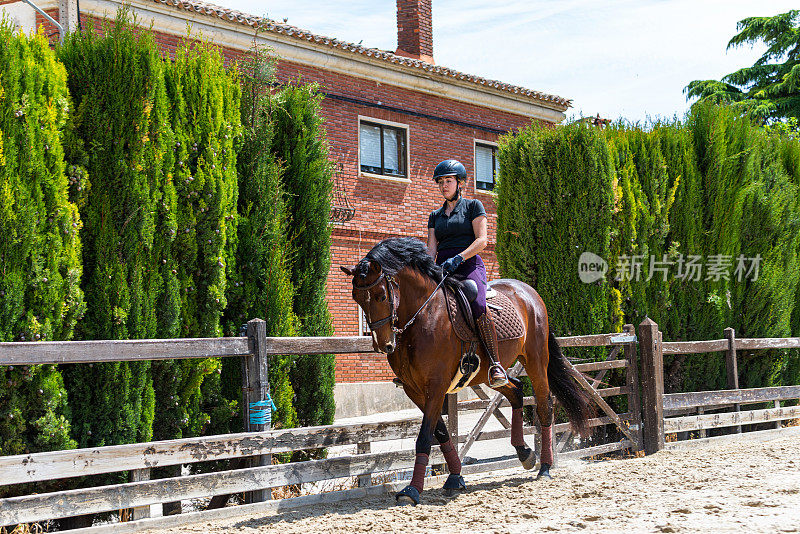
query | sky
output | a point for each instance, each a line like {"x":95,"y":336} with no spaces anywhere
{"x":627,"y":59}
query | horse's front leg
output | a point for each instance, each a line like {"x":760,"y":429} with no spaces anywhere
{"x":454,"y":482}
{"x":431,"y":415}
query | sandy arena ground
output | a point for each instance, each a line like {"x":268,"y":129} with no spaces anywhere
{"x":727,"y":487}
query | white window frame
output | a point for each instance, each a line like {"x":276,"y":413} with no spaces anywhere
{"x":363,"y":328}
{"x":407,"y":179}
{"x":475,"y":143}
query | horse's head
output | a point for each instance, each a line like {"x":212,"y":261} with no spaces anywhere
{"x":375,"y":292}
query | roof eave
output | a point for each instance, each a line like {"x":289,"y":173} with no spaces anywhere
{"x":334,"y":55}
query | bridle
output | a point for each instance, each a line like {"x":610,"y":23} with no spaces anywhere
{"x":390,"y":283}
{"x":393,"y":316}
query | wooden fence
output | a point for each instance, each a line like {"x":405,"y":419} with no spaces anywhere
{"x":257,"y":445}
{"x":649,"y":415}
{"x":680,"y":414}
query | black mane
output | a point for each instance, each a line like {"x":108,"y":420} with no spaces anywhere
{"x":396,"y":253}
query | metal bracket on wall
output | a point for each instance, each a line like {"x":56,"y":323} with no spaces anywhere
{"x":48,"y":17}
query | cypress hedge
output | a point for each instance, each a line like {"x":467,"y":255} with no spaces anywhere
{"x":715,"y":186}
{"x":40,"y":294}
{"x":299,"y":144}
{"x":261,"y":284}
{"x":555,"y":200}
{"x":122,"y":138}
{"x":205,"y":122}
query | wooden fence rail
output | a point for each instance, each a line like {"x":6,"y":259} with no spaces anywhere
{"x":129,"y":350}
{"x":659,"y":406}
{"x":93,"y":461}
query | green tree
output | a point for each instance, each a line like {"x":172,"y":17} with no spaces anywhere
{"x":299,"y":144}
{"x":121,"y":136}
{"x":205,"y":122}
{"x":40,"y":254}
{"x":770,"y":89}
{"x":261,"y":285}
{"x":555,"y":201}
{"x":644,"y":198}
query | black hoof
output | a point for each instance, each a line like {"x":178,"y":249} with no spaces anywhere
{"x":526,"y":456}
{"x":408,"y":495}
{"x":453,"y":485}
{"x":544,"y":472}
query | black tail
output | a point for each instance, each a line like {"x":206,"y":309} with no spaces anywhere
{"x":569,"y":393}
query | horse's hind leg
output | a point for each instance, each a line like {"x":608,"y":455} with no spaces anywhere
{"x":454,"y":482}
{"x":544,"y":411}
{"x":513,"y":392}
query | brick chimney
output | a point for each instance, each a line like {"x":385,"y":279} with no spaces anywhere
{"x":415,"y":29}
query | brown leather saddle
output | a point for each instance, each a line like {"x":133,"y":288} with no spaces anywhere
{"x":506,"y":317}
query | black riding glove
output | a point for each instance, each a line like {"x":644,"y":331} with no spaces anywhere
{"x":450,"y":265}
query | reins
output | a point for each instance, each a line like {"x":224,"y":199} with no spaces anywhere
{"x":410,"y":321}
{"x":393,"y":317}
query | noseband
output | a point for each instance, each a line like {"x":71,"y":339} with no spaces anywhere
{"x":393,"y":317}
{"x":390,"y":282}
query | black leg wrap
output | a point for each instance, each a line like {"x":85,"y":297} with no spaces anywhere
{"x":408,"y":495}
{"x":527,"y":456}
{"x":453,"y":485}
{"x":544,"y":472}
{"x":440,"y":433}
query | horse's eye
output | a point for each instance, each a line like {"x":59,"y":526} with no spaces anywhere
{"x":381,"y":297}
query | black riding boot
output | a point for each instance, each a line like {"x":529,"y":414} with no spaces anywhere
{"x":488,"y":333}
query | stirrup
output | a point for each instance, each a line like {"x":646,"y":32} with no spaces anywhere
{"x":497,"y":383}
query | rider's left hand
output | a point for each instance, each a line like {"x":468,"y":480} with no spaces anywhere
{"x":450,"y":265}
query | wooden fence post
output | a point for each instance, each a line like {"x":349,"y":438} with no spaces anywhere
{"x":731,"y":368}
{"x":255,"y":388}
{"x":652,"y":360}
{"x":632,"y":379}
{"x":364,"y":448}
{"x":140,"y":512}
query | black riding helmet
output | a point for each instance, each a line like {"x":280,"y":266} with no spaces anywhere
{"x":450,"y":167}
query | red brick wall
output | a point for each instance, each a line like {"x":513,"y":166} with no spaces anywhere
{"x":415,"y":29}
{"x":385,"y":208}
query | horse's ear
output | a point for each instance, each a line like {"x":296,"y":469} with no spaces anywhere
{"x":349,"y":271}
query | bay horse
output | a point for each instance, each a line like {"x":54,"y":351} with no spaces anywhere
{"x":397,"y":285}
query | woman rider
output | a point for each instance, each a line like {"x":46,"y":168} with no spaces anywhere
{"x":456,"y":234}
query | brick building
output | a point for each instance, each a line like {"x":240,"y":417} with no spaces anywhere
{"x":390,"y":118}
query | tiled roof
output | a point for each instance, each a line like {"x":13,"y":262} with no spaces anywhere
{"x":297,"y":33}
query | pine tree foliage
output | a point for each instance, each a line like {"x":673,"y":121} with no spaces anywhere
{"x":770,"y":89}
{"x":40,"y":295}
{"x":299,"y":144}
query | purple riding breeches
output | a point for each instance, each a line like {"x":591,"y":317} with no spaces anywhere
{"x":472,"y":268}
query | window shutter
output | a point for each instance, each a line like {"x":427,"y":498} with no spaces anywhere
{"x":391,"y":158}
{"x":370,"y":146}
{"x":484,"y":171}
